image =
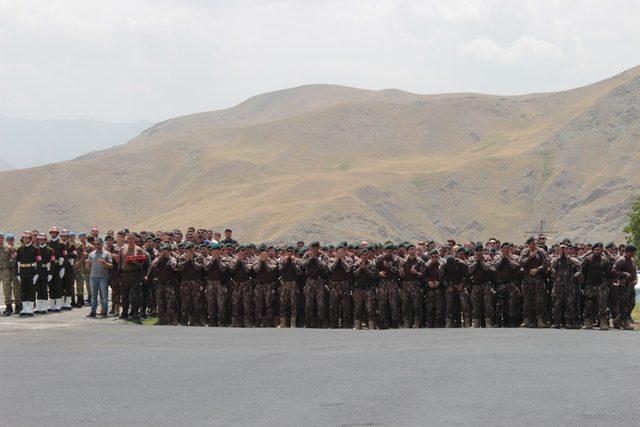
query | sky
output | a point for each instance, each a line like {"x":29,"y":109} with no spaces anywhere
{"x":134,"y":60}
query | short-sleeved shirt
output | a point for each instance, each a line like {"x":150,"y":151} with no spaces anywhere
{"x":99,"y":270}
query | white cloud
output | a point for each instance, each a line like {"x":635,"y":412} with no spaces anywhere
{"x":525,"y":50}
{"x":460,"y":11}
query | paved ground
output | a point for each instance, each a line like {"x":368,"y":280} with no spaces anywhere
{"x":67,"y":370}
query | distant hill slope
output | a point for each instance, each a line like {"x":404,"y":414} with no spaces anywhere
{"x":27,"y":143}
{"x":330,"y":162}
{"x":5,"y":166}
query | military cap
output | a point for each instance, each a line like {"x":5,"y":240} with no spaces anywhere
{"x":530,"y":240}
{"x":72,"y":234}
{"x":342,"y":244}
{"x":350,"y":247}
{"x":630,"y":248}
{"x":389,"y":246}
{"x":214,"y":246}
{"x":434,"y":252}
{"x":148,"y":239}
{"x":505,"y":245}
{"x":431,"y":242}
{"x":189,"y":245}
{"x":83,"y":234}
{"x":291,"y":248}
{"x":157,"y":239}
{"x":330,"y":247}
{"x":1,"y":234}
{"x":241,"y":247}
{"x":10,"y":236}
{"x":263,"y":248}
{"x":479,"y":247}
{"x":610,"y":245}
{"x":165,"y":247}
{"x":181,"y":245}
{"x":314,"y":244}
{"x":597,"y":245}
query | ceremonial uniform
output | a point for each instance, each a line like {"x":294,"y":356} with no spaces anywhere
{"x":26,"y":267}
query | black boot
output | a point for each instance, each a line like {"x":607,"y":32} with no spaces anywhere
{"x":18,"y":308}
{"x":8,"y":311}
{"x":80,"y":301}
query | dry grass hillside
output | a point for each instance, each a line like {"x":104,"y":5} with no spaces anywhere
{"x":329,"y":162}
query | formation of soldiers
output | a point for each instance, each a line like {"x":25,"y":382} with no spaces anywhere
{"x":201,"y":278}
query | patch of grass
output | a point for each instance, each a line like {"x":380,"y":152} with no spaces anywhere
{"x":635,"y":314}
{"x":546,"y":157}
{"x":344,"y":165}
{"x":150,"y":320}
{"x":418,"y":182}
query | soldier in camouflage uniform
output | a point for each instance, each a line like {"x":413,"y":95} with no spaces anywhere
{"x":387,"y":293}
{"x":564,"y":271}
{"x":411,"y":272}
{"x":434,"y":293}
{"x":10,"y":284}
{"x":84,"y":248}
{"x":508,"y":276}
{"x":264,"y":270}
{"x":131,"y":260}
{"x":364,"y":298}
{"x":216,"y":290}
{"x":454,"y":276}
{"x":289,"y":270}
{"x":625,"y":269}
{"x":314,"y":265}
{"x":482,"y":274}
{"x":534,"y":263}
{"x":242,"y":291}
{"x":164,"y":269}
{"x":191,"y":269}
{"x":596,"y":270}
{"x":340,"y":288}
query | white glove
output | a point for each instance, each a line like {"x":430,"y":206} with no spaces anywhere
{"x":61,"y":273}
{"x":72,"y":261}
{"x":60,"y":261}
{"x":49,"y":277}
{"x":19,"y":280}
{"x":35,"y":279}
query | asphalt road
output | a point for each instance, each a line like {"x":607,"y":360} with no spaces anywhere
{"x":67,"y":370}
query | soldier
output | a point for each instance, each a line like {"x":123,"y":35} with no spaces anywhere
{"x":69,"y":254}
{"x":81,"y":272}
{"x":596,"y":269}
{"x":265,"y":289}
{"x":131,"y":260}
{"x":388,"y":265}
{"x":625,"y":269}
{"x":434,"y":294}
{"x":412,"y":271}
{"x":290,"y":270}
{"x":508,"y":291}
{"x":482,"y":274}
{"x":339,"y":272}
{"x":8,"y":278}
{"x":534,"y":264}
{"x":46,"y":260}
{"x":164,"y":269}
{"x":216,"y":291}
{"x":242,"y":292}
{"x":364,"y":298}
{"x":454,"y":275}
{"x":58,"y":270}
{"x":191,"y":269}
{"x":26,"y":267}
{"x":564,"y":269}
{"x":314,"y":265}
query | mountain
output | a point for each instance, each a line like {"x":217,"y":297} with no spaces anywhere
{"x":5,"y":166}
{"x":27,"y":143}
{"x":330,"y":162}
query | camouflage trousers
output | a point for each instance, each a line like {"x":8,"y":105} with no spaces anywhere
{"x":412,"y":303}
{"x":458,"y":294}
{"x":364,"y":301}
{"x":264,"y":295}
{"x":289,"y":299}
{"x":434,"y":307}
{"x":387,"y":294}
{"x":130,"y":292}
{"x":482,"y":300}
{"x":314,"y":303}
{"x":564,"y":294}
{"x":116,"y":288}
{"x":340,"y":304}
{"x":242,"y":302}
{"x":596,"y":294}
{"x":216,"y":294}
{"x":534,"y":295}
{"x":82,"y":279}
{"x":507,"y":303}
{"x":190,"y":293}
{"x":166,"y":298}
{"x":626,"y":299}
{"x":11,"y":287}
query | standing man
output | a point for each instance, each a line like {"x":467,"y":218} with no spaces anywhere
{"x":482,"y":275}
{"x":164,"y":269}
{"x":434,"y":295}
{"x":68,"y":278}
{"x":228,"y":240}
{"x":364,"y":299}
{"x":132,"y":258}
{"x":9,"y":281}
{"x":625,"y":269}
{"x":290,"y":270}
{"x":564,"y":269}
{"x":412,"y":271}
{"x":264,"y":293}
{"x":314,"y":266}
{"x":26,"y":263}
{"x":508,"y":287}
{"x":242,"y":293}
{"x":534,"y":264}
{"x":216,"y":290}
{"x":454,"y":275}
{"x":83,"y":248}
{"x":339,"y":270}
{"x":99,"y":262}
{"x":46,"y":259}
{"x":596,"y":270}
{"x":57,"y":270}
{"x":388,"y":266}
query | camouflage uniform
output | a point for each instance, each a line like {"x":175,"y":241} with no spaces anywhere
{"x":314,"y":291}
{"x":626,"y":293}
{"x":81,"y":272}
{"x":388,"y":292}
{"x":533,"y":286}
{"x":454,"y":276}
{"x":264,"y":292}
{"x":340,"y":292}
{"x":364,"y":298}
{"x":596,"y":271}
{"x":130,"y":281}
{"x":241,"y":294}
{"x":412,"y":270}
{"x":216,"y":291}
{"x":434,"y":295}
{"x":289,"y":270}
{"x":190,"y":290}
{"x":164,"y":269}
{"x":565,"y":290}
{"x":482,"y":273}
{"x":10,"y":284}
{"x":508,"y":290}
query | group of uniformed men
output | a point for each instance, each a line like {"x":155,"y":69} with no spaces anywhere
{"x":200,"y":279}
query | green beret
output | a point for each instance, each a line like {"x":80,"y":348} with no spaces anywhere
{"x":262,"y":248}
{"x":181,"y":245}
{"x":434,"y":252}
{"x":189,"y":245}
{"x":389,"y":246}
{"x":165,"y":247}
{"x":241,"y":247}
{"x":630,"y":248}
{"x":610,"y":245}
{"x":598,"y":245}
{"x":479,"y":247}
{"x":530,"y":240}
{"x":342,"y":244}
{"x":214,"y":246}
{"x":315,"y":244}
{"x":291,"y":248}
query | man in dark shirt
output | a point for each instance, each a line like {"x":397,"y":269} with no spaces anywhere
{"x":364,"y":299}
{"x":625,"y":269}
{"x":228,"y":239}
{"x":482,"y":274}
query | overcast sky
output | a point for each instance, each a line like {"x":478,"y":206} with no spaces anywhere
{"x":151,"y":60}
